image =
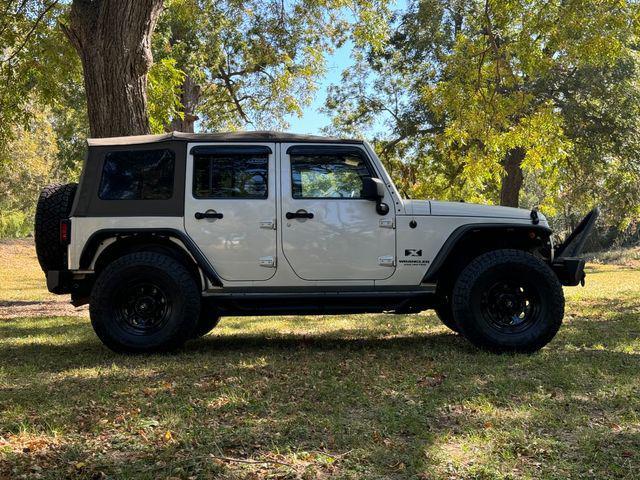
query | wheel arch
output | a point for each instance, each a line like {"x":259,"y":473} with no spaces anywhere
{"x":169,"y":241}
{"x":469,"y":241}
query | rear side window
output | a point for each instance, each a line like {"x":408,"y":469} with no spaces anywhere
{"x":138,"y":175}
{"x":231,"y":175}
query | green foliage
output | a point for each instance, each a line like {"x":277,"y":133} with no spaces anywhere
{"x":28,"y":163}
{"x":447,"y":88}
{"x":461,"y":84}
{"x":165,"y":80}
{"x":35,"y":60}
{"x":15,"y":224}
{"x":43,"y":124}
{"x":252,"y":64}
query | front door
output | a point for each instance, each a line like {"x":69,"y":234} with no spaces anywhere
{"x":329,"y":231}
{"x":230,"y":208}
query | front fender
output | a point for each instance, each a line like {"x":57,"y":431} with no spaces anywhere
{"x":473,"y":239}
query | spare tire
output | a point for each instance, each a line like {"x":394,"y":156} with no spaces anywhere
{"x":54,"y":204}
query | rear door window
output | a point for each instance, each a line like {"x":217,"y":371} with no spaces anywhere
{"x":231,"y":175}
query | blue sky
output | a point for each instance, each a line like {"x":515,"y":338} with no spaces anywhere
{"x":313,"y":120}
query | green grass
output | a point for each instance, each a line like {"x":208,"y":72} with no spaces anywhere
{"x":359,"y":396}
{"x":617,"y":256}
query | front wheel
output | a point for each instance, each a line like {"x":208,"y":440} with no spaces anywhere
{"x":445,"y":314}
{"x":508,"y":300}
{"x":145,"y":302}
{"x":207,"y":322}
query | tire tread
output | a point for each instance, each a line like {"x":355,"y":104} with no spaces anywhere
{"x":54,"y":204}
{"x":464,"y":284}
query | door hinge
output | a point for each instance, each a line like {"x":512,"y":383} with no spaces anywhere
{"x":387,"y":223}
{"x":268,"y":224}
{"x":268,"y":262}
{"x":387,"y":261}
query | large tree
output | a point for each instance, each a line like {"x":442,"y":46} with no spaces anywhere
{"x":483,"y":94}
{"x":113,"y":40}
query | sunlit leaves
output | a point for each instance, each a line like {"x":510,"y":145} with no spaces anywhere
{"x":31,"y":61}
{"x":258,"y":62}
{"x":36,"y":147}
{"x":164,"y":84}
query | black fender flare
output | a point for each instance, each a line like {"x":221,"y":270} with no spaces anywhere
{"x":93,"y":243}
{"x":473,"y":228}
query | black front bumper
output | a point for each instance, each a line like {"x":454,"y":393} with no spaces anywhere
{"x":570,"y":270}
{"x":567,"y":264}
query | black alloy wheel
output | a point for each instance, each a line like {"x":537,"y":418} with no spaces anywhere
{"x":144,"y":308}
{"x":510,"y":306}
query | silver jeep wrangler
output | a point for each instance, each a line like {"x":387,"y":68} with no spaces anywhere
{"x":164,"y":234}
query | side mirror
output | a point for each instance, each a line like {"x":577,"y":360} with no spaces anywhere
{"x":373,"y":189}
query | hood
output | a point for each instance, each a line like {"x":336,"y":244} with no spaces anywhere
{"x":417,"y":207}
{"x":462,"y":209}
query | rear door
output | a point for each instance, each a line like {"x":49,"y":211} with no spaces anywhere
{"x":230,"y":208}
{"x":329,"y":231}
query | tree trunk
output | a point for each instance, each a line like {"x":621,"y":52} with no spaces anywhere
{"x":512,"y":179}
{"x":113,"y":39}
{"x":189,"y":98}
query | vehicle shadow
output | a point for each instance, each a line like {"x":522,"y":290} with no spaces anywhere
{"x":388,"y":404}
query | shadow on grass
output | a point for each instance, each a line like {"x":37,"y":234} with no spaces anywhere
{"x":73,"y":342}
{"x":386,"y":405}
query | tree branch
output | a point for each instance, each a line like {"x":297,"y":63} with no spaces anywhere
{"x":229,"y":86}
{"x":30,"y":32}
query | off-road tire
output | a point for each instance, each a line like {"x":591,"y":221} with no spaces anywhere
{"x":445,"y":314}
{"x":207,"y":322}
{"x":54,"y":204}
{"x":487,"y":278}
{"x":111,"y":310}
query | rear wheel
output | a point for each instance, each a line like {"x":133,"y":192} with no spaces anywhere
{"x":508,"y":300}
{"x":145,"y":302}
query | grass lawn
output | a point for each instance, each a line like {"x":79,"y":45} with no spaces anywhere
{"x":360,"y":396}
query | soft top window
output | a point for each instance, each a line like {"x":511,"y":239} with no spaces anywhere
{"x":138,"y":175}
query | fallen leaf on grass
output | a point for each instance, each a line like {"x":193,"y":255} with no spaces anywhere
{"x":431,"y":381}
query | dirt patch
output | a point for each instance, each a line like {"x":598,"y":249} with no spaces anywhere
{"x":46,"y":308}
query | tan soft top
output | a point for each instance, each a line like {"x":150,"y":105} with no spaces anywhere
{"x":256,"y":136}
